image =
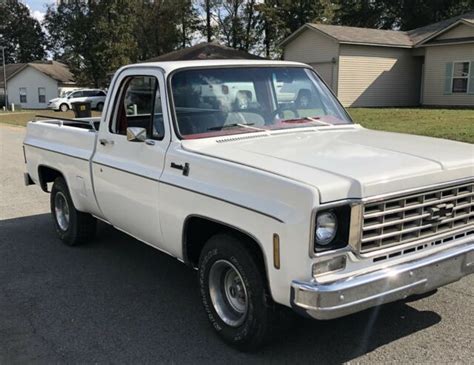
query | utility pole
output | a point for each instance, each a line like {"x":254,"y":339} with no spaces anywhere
{"x":5,"y":88}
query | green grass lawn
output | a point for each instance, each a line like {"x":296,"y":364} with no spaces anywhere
{"x":24,"y":116}
{"x":456,"y":124}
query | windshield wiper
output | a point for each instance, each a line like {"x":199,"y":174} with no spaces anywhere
{"x":234,"y":125}
{"x":307,"y":120}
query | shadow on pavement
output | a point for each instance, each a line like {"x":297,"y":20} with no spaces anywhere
{"x":117,"y":300}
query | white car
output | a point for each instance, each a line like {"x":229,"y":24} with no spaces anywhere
{"x":272,"y":208}
{"x":94,"y":96}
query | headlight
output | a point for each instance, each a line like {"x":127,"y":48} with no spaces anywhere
{"x":326,"y":228}
{"x":331,"y":228}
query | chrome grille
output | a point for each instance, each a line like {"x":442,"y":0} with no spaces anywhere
{"x":412,"y":217}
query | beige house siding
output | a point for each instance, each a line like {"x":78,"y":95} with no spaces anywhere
{"x":317,"y":50}
{"x":460,"y":31}
{"x":378,"y":76}
{"x":435,"y":74}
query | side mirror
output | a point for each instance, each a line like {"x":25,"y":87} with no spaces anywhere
{"x":136,"y":134}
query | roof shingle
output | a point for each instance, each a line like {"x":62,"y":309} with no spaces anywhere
{"x":365,"y":35}
{"x":420,"y":34}
{"x":393,"y":38}
{"x":203,"y":51}
{"x":56,"y":70}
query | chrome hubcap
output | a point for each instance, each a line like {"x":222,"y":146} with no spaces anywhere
{"x":228,"y":293}
{"x":61,"y":210}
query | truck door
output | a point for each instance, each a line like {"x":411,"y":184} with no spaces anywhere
{"x":126,"y":170}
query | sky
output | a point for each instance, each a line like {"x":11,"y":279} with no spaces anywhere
{"x":38,"y":7}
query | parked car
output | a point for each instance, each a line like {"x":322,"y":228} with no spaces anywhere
{"x":94,"y":96}
{"x":272,"y":208}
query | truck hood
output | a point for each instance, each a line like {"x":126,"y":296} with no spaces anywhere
{"x":346,"y":162}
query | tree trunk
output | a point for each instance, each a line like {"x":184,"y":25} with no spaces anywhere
{"x":208,"y":21}
{"x":250,"y":8}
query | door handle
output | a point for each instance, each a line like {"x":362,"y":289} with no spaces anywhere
{"x":184,"y":168}
{"x":105,"y":142}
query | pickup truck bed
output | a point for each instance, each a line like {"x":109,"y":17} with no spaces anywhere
{"x":67,"y":147}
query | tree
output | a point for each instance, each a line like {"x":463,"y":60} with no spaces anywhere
{"x":365,"y":13}
{"x":417,"y":13}
{"x":115,"y":44}
{"x":397,"y":14}
{"x":189,"y":22}
{"x":280,"y":18}
{"x":93,"y":39}
{"x":237,"y":22}
{"x":208,"y":8}
{"x":20,"y":33}
{"x":157,"y":29}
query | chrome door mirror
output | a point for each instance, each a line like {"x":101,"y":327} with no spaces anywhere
{"x":136,"y":134}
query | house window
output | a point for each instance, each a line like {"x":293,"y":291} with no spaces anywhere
{"x":23,"y":95}
{"x":460,"y":77}
{"x":41,"y":95}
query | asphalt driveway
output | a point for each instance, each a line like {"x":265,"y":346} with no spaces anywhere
{"x":117,"y":300}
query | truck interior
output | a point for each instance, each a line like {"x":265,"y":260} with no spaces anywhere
{"x":209,"y":101}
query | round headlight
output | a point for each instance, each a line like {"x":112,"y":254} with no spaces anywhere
{"x":326,"y":228}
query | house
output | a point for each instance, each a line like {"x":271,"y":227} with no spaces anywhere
{"x":431,"y":65}
{"x":31,"y":85}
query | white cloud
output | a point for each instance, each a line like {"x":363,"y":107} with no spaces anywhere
{"x":38,"y":15}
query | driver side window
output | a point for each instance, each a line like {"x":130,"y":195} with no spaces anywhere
{"x":139,"y":105}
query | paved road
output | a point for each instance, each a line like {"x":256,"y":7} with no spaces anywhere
{"x":117,"y":300}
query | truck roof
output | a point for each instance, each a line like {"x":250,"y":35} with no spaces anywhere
{"x":171,"y":66}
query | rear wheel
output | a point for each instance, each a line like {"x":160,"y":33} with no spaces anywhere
{"x":64,"y":107}
{"x":72,"y":226}
{"x":234,"y":293}
{"x":100,"y":106}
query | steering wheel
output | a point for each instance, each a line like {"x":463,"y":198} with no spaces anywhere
{"x":284,"y":107}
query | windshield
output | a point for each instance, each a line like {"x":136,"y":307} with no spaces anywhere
{"x":223,"y":101}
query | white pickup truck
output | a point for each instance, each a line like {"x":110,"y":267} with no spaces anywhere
{"x":269,"y":190}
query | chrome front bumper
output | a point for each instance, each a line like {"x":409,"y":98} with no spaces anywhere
{"x":354,"y":294}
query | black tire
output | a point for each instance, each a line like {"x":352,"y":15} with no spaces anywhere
{"x":81,"y":227}
{"x":255,"y":329}
{"x":100,"y":106}
{"x":63,"y":107}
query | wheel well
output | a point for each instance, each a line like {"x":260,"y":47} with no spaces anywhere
{"x":197,"y":231}
{"x":47,"y":174}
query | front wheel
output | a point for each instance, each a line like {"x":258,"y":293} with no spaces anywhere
{"x":100,"y":107}
{"x":64,"y":107}
{"x":234,"y":292}
{"x":72,"y":226}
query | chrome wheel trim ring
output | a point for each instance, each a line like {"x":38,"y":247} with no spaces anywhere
{"x":61,"y":210}
{"x":228,"y":293}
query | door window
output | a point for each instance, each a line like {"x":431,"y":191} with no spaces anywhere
{"x":139,"y":105}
